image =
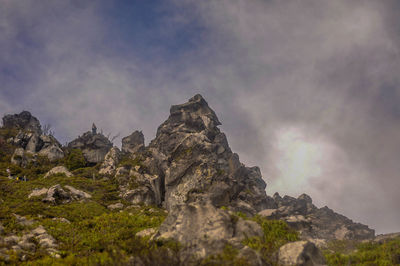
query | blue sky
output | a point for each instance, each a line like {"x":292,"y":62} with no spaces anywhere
{"x":307,"y":90}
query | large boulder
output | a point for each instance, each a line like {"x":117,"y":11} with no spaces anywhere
{"x":23,"y":121}
{"x":58,"y":170}
{"x":300,"y":253}
{"x":94,"y":146}
{"x":51,"y":148}
{"x":133,"y":143}
{"x":205,"y":230}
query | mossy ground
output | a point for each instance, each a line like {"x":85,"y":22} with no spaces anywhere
{"x":370,"y":253}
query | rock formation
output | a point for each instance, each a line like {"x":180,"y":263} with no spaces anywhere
{"x":133,"y":143}
{"x":23,"y":121}
{"x":94,"y":146}
{"x":30,"y":139}
{"x":316,"y":223}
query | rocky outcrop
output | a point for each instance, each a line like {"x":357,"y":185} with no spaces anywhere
{"x":196,"y":163}
{"x":30,"y":139}
{"x":204,"y":229}
{"x":57,"y":195}
{"x":133,"y":143}
{"x":58,"y":170}
{"x":94,"y":146}
{"x":28,"y":242}
{"x":315,"y":223}
{"x":300,"y":253}
{"x":111,"y":160}
{"x":23,"y":121}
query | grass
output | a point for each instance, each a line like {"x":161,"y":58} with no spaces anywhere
{"x":370,"y":253}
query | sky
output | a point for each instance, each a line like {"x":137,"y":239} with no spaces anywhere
{"x":307,"y":90}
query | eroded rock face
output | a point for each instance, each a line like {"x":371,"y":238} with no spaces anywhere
{"x":301,"y":253}
{"x":197,"y":163}
{"x":30,"y":138}
{"x":111,"y":160}
{"x":204,"y":229}
{"x":58,"y":195}
{"x":316,"y":223}
{"x":23,"y":121}
{"x":94,"y":146}
{"x":133,"y":143}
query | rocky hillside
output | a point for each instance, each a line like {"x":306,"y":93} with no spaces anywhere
{"x":185,"y":199}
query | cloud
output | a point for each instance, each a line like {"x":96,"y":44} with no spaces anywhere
{"x":308,"y":90}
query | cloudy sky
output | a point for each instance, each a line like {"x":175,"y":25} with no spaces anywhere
{"x":307,"y":90}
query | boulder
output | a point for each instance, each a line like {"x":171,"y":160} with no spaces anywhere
{"x":300,"y":253}
{"x":133,"y":143}
{"x":146,"y":232}
{"x":111,"y":160}
{"x":58,"y":170}
{"x":51,"y":148}
{"x":94,"y":146}
{"x":204,"y":229}
{"x":19,"y":157}
{"x":116,"y":206}
{"x":78,"y":194}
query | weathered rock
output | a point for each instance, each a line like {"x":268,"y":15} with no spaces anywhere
{"x":316,"y":223}
{"x":78,"y":194}
{"x":61,"y":219}
{"x":19,"y":158}
{"x":133,"y":143}
{"x":94,"y":146}
{"x":116,"y":206}
{"x":204,"y":229}
{"x":58,"y":170}
{"x":51,"y":148}
{"x":302,"y":253}
{"x":197,"y":163}
{"x":39,"y":230}
{"x":23,"y":220}
{"x":38,"y":192}
{"x":146,"y":232}
{"x":57,"y":195}
{"x":11,"y":240}
{"x":23,"y":121}
{"x":111,"y":160}
{"x":31,"y":139}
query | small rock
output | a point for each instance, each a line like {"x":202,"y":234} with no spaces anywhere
{"x":58,"y":170}
{"x":11,"y":240}
{"x":28,"y":246}
{"x":146,"y":232}
{"x":116,"y":206}
{"x":61,"y":219}
{"x":38,"y":192}
{"x":301,"y":253}
{"x":23,"y":221}
{"x":39,"y":230}
{"x":267,"y":212}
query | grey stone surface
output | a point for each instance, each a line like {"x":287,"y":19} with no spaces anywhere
{"x":133,"y":143}
{"x":22,"y":121}
{"x":58,"y":170}
{"x":300,"y":253}
{"x":111,"y":160}
{"x":94,"y":146}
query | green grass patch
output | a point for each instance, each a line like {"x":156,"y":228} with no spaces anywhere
{"x":370,"y":253}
